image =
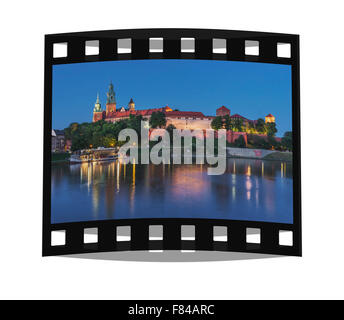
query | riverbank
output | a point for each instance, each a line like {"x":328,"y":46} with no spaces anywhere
{"x":60,"y":157}
{"x":261,"y":154}
{"x":280,"y":156}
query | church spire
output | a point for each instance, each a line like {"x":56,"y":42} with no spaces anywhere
{"x":131,"y":104}
{"x":111,"y":94}
{"x":97,"y":105}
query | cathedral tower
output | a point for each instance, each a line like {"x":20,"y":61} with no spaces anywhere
{"x":111,"y":100}
{"x":223,"y":111}
{"x":97,"y":111}
{"x":131,"y":104}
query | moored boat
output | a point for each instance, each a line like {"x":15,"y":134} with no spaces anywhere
{"x":94,"y":155}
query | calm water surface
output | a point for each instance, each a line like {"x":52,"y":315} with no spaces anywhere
{"x":249,"y":190}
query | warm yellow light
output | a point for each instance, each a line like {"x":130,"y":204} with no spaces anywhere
{"x":248,"y":172}
{"x":270,"y":119}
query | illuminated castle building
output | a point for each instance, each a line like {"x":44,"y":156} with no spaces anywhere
{"x":269,"y":118}
{"x":180,"y":119}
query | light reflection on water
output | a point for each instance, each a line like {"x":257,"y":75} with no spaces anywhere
{"x":249,"y":190}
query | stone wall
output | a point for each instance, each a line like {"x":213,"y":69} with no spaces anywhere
{"x":232,"y":136}
{"x":191,"y":124}
{"x":248,"y":153}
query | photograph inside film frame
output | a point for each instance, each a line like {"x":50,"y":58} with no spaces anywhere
{"x":172,"y":139}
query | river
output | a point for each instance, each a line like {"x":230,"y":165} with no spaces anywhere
{"x":254,"y":190}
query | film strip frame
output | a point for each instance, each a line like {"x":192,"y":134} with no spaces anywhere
{"x":237,"y":238}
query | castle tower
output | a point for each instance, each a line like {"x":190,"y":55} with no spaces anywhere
{"x":97,"y":111}
{"x":269,"y":118}
{"x":131,"y":104}
{"x":111,"y":100}
{"x":223,"y":111}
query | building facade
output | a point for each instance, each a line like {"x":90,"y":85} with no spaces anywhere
{"x":180,"y":119}
{"x":269,"y":118}
{"x":57,"y":140}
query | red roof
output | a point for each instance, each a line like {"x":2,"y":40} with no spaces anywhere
{"x":148,"y":112}
{"x":238,"y":116}
{"x":185,"y":114}
{"x":269,"y":115}
{"x":223,"y":108}
{"x":241,"y":117}
{"x":127,"y":113}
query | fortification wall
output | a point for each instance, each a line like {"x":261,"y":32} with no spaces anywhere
{"x":232,"y":136}
{"x":191,"y":124}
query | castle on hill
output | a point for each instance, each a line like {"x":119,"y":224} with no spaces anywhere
{"x":180,"y":119}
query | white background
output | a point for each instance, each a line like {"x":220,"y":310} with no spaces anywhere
{"x":25,"y":274}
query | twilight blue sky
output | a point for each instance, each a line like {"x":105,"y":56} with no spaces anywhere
{"x":250,"y":89}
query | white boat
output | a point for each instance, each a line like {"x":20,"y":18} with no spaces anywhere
{"x":94,"y":155}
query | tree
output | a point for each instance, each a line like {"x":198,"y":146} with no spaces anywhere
{"x":271,"y":129}
{"x":258,"y":142}
{"x":240,"y":142}
{"x":238,"y":124}
{"x":274,"y":144}
{"x":227,"y":122}
{"x":260,"y":125}
{"x":109,"y":142}
{"x":134,"y":122}
{"x":101,"y":133}
{"x":70,"y":130}
{"x":287,"y":140}
{"x":216,"y":123}
{"x":118,"y":126}
{"x":251,"y":127}
{"x":170,"y":129}
{"x":157,"y":120}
